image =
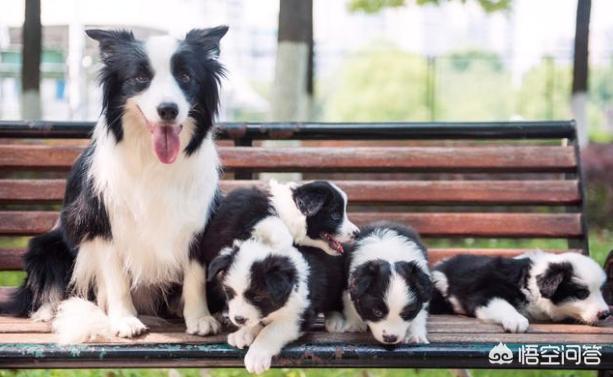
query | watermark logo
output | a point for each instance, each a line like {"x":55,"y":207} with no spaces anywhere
{"x":547,"y":355}
{"x":500,"y":354}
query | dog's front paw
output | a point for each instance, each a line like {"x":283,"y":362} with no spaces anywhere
{"x":204,"y":325}
{"x":127,"y":327}
{"x":516,"y":323}
{"x":335,"y":322}
{"x":258,"y":360}
{"x":241,"y":338}
{"x":417,"y":339}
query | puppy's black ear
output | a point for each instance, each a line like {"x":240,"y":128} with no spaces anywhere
{"x":208,"y":38}
{"x":109,"y":41}
{"x":219,"y":265}
{"x":280,"y":277}
{"x":549,"y":281}
{"x":416,"y":279}
{"x":366,"y":275}
{"x":310,"y":198}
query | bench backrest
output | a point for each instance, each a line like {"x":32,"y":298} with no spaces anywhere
{"x":490,"y":188}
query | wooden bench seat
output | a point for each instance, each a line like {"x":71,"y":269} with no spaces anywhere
{"x":482,"y":188}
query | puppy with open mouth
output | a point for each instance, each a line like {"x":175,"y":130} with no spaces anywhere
{"x":274,"y":294}
{"x":388,"y":288}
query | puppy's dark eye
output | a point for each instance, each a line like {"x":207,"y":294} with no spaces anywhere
{"x":335,"y":216}
{"x":258,"y":299}
{"x":185,"y":77}
{"x":141,"y":79}
{"x":582,"y":294}
{"x":377,"y":313}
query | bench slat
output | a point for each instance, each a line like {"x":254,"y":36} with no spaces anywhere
{"x":544,"y":192}
{"x":10,"y":259}
{"x":437,"y":324}
{"x":559,"y":225}
{"x":372,"y":159}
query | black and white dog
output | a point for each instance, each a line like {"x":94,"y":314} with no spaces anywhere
{"x":141,"y":193}
{"x":388,"y":288}
{"x":310,"y":214}
{"x":513,"y":291}
{"x":274,"y":293}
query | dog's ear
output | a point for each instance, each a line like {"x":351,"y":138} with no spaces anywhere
{"x":416,"y":279}
{"x":219,"y":265}
{"x":549,"y":281}
{"x":310,"y":198}
{"x":109,"y":41}
{"x":208,"y":38}
{"x":280,"y":277}
{"x":366,"y":275}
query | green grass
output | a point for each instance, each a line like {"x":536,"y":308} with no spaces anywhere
{"x":287,"y":373}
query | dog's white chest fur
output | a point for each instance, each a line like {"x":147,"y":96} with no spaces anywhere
{"x":154,"y":209}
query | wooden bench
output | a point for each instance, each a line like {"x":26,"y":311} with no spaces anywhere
{"x":483,"y":188}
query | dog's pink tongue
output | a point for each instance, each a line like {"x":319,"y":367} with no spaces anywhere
{"x":166,"y":143}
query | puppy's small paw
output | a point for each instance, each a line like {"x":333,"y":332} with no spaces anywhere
{"x":205,"y":325}
{"x":241,"y":338}
{"x":515,"y":324}
{"x":355,"y":326}
{"x":258,"y":360}
{"x":44,"y":314}
{"x":417,"y":339}
{"x":335,"y":322}
{"x":127,"y":327}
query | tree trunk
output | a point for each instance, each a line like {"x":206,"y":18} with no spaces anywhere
{"x":293,"y":67}
{"x":580,"y":70}
{"x":292,"y":92}
{"x":31,"y":56}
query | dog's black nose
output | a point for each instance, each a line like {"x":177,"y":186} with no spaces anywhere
{"x":356,"y":233}
{"x":240,"y":320}
{"x":603,"y":314}
{"x":390,"y":338}
{"x":168,"y":111}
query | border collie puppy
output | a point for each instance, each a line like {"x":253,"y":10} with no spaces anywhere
{"x":310,"y":214}
{"x":274,"y":294}
{"x":141,"y":193}
{"x":513,"y":291}
{"x":388,"y":287}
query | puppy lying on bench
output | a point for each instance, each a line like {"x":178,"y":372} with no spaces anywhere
{"x":274,"y":294}
{"x":512,"y":292}
{"x":388,"y":286}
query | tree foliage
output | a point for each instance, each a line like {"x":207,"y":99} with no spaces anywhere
{"x":374,"y":6}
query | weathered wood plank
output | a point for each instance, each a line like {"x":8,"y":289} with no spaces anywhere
{"x":383,"y":159}
{"x":529,"y":192}
{"x":428,"y":224}
{"x":437,"y":324}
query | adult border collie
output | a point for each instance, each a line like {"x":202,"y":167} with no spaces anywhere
{"x":141,"y":193}
{"x":513,"y":291}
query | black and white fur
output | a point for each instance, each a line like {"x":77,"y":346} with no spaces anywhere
{"x":274,"y":294}
{"x":514,"y":291}
{"x":140,"y":195}
{"x":388,"y":288}
{"x":309,"y":214}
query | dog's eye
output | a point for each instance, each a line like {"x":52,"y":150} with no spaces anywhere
{"x":141,"y":79}
{"x":582,"y":294}
{"x":336,"y":216}
{"x":185,"y":77}
{"x":377,"y":313}
{"x":257,"y":299}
